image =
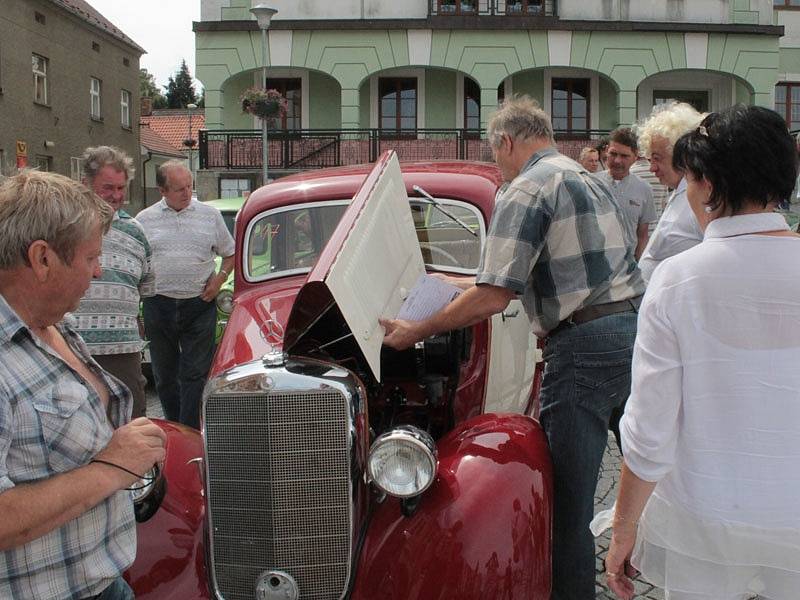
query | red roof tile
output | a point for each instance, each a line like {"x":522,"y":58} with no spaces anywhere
{"x":88,"y":13}
{"x":157,"y":144}
{"x":173,"y":125}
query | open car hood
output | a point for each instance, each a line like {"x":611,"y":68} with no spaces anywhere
{"x":369,"y":265}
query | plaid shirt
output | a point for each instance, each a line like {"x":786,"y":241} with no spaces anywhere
{"x":52,"y":421}
{"x":557,"y":237}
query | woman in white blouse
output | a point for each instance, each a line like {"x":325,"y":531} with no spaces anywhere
{"x":709,"y":499}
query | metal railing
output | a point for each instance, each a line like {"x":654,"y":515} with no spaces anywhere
{"x":240,"y":149}
{"x":531,"y":8}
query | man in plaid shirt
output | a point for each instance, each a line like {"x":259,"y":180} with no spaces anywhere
{"x":557,"y":239}
{"x":67,"y":451}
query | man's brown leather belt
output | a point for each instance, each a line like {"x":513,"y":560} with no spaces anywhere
{"x":590,"y":313}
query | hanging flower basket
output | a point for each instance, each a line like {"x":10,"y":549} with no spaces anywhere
{"x":264,"y":104}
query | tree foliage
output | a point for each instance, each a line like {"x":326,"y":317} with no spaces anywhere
{"x":149,"y":89}
{"x":180,"y":89}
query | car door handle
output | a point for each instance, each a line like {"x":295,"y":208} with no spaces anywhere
{"x":509,"y":315}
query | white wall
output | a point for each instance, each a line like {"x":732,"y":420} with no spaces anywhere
{"x":692,"y":11}
{"x":790,"y":19}
{"x":688,"y":11}
{"x":330,"y":9}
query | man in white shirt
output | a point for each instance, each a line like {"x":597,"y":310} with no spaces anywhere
{"x":180,"y":320}
{"x":634,"y":195}
{"x":678,"y":229}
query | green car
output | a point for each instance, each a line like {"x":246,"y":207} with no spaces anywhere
{"x":229,"y":207}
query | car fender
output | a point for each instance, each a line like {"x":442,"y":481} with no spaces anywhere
{"x":482,"y":530}
{"x":170,"y":556}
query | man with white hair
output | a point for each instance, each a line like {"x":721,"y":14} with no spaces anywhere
{"x":678,"y":229}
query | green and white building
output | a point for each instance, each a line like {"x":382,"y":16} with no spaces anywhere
{"x":424,"y":75}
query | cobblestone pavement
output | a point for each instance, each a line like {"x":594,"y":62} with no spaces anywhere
{"x":604,"y":497}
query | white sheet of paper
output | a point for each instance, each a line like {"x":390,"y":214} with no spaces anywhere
{"x":428,"y":296}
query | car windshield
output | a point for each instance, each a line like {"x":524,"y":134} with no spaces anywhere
{"x":289,"y":240}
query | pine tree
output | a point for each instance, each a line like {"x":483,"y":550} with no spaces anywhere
{"x":180,"y":89}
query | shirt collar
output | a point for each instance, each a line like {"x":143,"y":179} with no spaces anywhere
{"x":121,"y":214}
{"x":164,"y":206}
{"x":10,"y":322}
{"x":743,"y":224}
{"x":537,"y":156}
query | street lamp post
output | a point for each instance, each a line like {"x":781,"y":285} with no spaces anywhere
{"x":264,"y":14}
{"x":190,"y":140}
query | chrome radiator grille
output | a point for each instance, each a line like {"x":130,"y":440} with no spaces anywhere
{"x":278,"y":484}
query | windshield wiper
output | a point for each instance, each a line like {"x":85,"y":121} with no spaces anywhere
{"x":438,"y":205}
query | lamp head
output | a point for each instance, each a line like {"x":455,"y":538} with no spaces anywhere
{"x":263,"y":14}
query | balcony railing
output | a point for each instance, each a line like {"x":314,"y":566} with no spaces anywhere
{"x":240,"y":149}
{"x":533,"y":8}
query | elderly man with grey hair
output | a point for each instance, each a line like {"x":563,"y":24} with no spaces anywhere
{"x":107,"y":317}
{"x":677,"y":229}
{"x":67,"y":451}
{"x":558,"y":240}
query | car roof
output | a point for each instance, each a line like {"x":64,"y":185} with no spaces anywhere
{"x":472,"y":181}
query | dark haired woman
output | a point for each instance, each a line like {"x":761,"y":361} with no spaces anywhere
{"x":709,"y":499}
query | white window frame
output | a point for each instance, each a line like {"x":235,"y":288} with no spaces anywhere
{"x":40,"y":75}
{"x":75,"y":168}
{"x":125,"y":108}
{"x":95,"y":97}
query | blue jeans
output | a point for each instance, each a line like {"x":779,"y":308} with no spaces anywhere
{"x":587,"y":379}
{"x":118,"y":590}
{"x":181,"y":334}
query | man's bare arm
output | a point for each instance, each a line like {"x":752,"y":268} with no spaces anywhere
{"x":476,"y":304}
{"x":642,"y":235}
{"x":31,"y":510}
{"x":217,"y":279}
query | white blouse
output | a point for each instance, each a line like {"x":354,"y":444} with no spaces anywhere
{"x":714,"y":414}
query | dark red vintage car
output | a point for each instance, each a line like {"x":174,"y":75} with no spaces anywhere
{"x":332,"y":467}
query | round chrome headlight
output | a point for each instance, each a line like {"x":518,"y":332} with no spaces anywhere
{"x":144,"y":487}
{"x":402,"y":462}
{"x":225,"y":301}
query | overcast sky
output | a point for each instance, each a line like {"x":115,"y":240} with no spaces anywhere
{"x":162,"y":27}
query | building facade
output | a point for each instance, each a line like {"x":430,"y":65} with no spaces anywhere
{"x":409,"y":71}
{"x":68,"y":79}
